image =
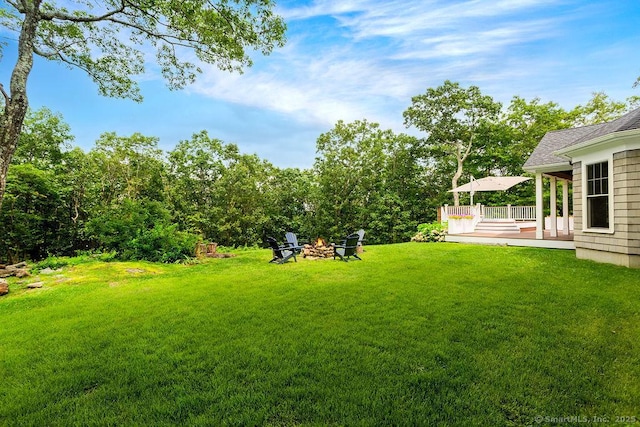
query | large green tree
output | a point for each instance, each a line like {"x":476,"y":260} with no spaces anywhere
{"x":41,"y":209}
{"x":108,"y":38}
{"x":218,"y":192}
{"x":599,"y":109}
{"x":349,"y":159}
{"x":130,"y":167}
{"x":288,"y":196}
{"x":195,"y":166}
{"x":367,"y":178}
{"x":126,"y":203}
{"x":453,"y":119}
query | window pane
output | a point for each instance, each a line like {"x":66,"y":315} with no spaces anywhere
{"x":598,"y":212}
{"x":598,"y":182}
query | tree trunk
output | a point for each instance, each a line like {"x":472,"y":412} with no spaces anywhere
{"x":462,"y":152}
{"x":16,"y":102}
{"x":454,"y":182}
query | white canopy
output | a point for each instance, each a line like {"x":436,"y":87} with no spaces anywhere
{"x":489,"y":183}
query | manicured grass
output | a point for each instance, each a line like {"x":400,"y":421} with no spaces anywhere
{"x":415,"y":334}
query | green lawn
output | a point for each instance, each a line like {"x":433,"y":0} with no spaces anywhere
{"x":414,"y":334}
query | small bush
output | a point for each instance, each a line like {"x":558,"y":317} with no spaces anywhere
{"x":433,"y":232}
{"x":53,"y":263}
{"x":82,"y":257}
{"x":162,"y":243}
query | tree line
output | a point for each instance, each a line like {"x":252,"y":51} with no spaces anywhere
{"x":128,"y":196}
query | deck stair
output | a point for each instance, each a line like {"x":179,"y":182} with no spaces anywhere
{"x":497,"y":226}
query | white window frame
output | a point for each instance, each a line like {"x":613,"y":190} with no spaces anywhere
{"x":585,"y":211}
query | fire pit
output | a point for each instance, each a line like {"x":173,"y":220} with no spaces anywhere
{"x":319,"y":249}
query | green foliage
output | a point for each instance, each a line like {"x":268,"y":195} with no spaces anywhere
{"x":288,"y":196}
{"x":83,"y":257}
{"x":120,"y":223}
{"x":44,"y":138}
{"x":52,"y":262}
{"x":129,"y":197}
{"x":599,"y":109}
{"x":131,"y":167}
{"x":455,"y":121}
{"x":219,"y":192}
{"x":44,"y":211}
{"x":141,"y":230}
{"x":430,"y":232}
{"x":162,"y":243}
{"x":89,"y":36}
{"x":367,"y":178}
{"x":31,"y":214}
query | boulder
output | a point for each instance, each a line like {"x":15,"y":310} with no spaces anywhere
{"x":22,"y":273}
{"x":16,"y":266}
{"x":19,"y":269}
{"x":35,"y":285}
{"x":4,"y":287}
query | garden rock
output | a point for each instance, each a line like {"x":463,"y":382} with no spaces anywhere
{"x":19,"y":269}
{"x":4,"y":287}
{"x":22,"y":273}
{"x":35,"y":285}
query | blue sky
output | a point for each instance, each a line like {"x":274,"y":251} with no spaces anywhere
{"x":365,"y":59}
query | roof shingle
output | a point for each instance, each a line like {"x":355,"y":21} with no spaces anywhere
{"x":543,"y":155}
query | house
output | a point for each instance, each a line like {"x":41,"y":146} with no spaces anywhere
{"x":602,"y":163}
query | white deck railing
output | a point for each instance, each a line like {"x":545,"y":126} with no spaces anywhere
{"x":459,"y":210}
{"x":517,"y":213}
{"x":523,"y":213}
{"x":495,"y":212}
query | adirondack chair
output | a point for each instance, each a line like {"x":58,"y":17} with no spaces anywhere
{"x":347,"y":249}
{"x":281,"y":253}
{"x":292,"y":241}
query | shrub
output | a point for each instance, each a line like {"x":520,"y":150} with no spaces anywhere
{"x":141,"y":230}
{"x":433,"y":232}
{"x":82,"y":257}
{"x":52,"y":262}
{"x":162,"y":243}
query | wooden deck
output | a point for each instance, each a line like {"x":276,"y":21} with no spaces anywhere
{"x":524,"y":238}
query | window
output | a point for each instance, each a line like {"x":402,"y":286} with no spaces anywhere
{"x":598,"y":195}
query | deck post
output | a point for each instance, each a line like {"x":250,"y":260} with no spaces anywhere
{"x":565,"y":207}
{"x":539,"y":207}
{"x":554,"y":206}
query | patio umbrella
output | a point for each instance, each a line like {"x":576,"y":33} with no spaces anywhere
{"x":489,"y":183}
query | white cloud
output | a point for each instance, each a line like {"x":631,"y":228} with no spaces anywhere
{"x":382,"y":53}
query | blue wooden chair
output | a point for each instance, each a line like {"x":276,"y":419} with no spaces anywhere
{"x":281,"y":253}
{"x":292,"y":241}
{"x":347,"y":249}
